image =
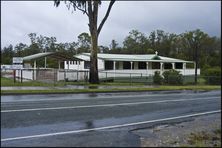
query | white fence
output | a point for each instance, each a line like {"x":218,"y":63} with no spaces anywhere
{"x":73,"y":75}
{"x":142,"y":73}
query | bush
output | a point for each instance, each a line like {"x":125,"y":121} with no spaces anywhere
{"x":157,"y":78}
{"x":213,"y":75}
{"x":172,"y":77}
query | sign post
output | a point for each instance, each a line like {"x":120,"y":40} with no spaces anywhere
{"x":17,"y":65}
{"x":17,"y":60}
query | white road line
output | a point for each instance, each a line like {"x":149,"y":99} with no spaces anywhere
{"x":109,"y":127}
{"x":105,"y":105}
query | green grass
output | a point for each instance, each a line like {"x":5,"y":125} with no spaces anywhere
{"x":10,"y":82}
{"x":158,"y":88}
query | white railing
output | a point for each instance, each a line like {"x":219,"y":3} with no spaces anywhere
{"x":141,"y":72}
{"x":73,"y":75}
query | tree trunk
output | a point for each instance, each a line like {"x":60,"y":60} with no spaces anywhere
{"x":93,"y":75}
{"x":94,"y":31}
{"x":197,"y":63}
{"x":93,"y":15}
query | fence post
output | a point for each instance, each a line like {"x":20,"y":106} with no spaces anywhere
{"x":54,"y":76}
{"x":130,"y":79}
{"x":77,"y":75}
{"x":33,"y":74}
{"x":14,"y":71}
{"x":21,"y":76}
{"x":65,"y":76}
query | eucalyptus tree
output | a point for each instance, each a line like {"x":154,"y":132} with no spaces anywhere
{"x":90,"y":8}
{"x":84,"y":42}
{"x":7,"y":54}
{"x":195,"y":41}
{"x":19,"y":48}
{"x":136,"y":42}
{"x":113,"y":44}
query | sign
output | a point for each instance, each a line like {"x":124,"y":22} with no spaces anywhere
{"x":17,"y":60}
{"x":18,"y":66}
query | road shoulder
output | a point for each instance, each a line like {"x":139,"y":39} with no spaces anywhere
{"x":204,"y":131}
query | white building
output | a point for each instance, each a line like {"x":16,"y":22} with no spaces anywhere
{"x":109,"y":65}
{"x":145,"y":64}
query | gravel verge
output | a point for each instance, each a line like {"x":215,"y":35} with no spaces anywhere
{"x":203,"y":131}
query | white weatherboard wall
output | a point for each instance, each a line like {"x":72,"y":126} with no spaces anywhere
{"x":75,"y":65}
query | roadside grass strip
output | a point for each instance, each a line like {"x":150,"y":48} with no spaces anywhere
{"x":157,"y":88}
{"x":110,"y":127}
{"x":114,"y":97}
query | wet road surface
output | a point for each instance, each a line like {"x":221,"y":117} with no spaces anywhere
{"x":96,"y":119}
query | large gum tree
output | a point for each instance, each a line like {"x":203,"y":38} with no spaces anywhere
{"x":90,"y":8}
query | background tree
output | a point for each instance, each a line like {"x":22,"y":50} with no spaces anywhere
{"x":19,"y":48}
{"x":103,"y":49}
{"x":84,"y":42}
{"x":177,"y":46}
{"x":90,"y":8}
{"x":113,"y":45}
{"x":136,"y":42}
{"x":7,"y":55}
{"x":152,"y":39}
{"x":195,"y":41}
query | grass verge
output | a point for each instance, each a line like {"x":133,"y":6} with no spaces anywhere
{"x":10,"y":82}
{"x":158,"y":88}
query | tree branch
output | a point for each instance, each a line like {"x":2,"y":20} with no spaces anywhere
{"x":83,"y":10}
{"x":90,"y":16}
{"x":106,"y":16}
{"x":95,"y":12}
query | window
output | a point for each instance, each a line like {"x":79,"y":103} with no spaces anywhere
{"x":155,"y":65}
{"x":108,"y":65}
{"x":126,"y":65}
{"x":86,"y":64}
{"x":141,"y":65}
{"x":167,"y":66}
{"x":178,"y":65}
{"x":117,"y":65}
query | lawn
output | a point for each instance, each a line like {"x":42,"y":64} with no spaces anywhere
{"x":139,"y":87}
{"x":10,"y":82}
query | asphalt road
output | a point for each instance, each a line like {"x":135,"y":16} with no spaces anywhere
{"x":97,"y":119}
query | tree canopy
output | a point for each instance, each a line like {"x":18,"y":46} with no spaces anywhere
{"x":173,"y":45}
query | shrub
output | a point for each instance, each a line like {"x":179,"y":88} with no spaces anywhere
{"x":172,"y":77}
{"x":213,"y":75}
{"x":157,"y":78}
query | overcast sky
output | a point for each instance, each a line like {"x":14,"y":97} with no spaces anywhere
{"x":18,"y":19}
